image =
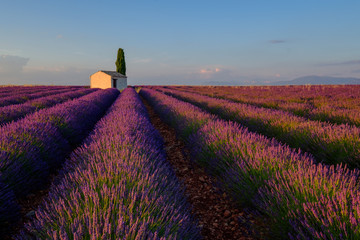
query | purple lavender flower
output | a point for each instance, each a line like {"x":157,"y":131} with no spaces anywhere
{"x":305,"y":199}
{"x":117,"y":185}
{"x":328,"y":143}
{"x":39,"y":143}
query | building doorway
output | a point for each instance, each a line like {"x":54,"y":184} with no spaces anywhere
{"x":114,"y":83}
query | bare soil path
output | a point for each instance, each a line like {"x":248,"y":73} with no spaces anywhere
{"x":217,"y":214}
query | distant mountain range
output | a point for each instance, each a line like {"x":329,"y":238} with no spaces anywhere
{"x":318,"y":80}
{"x":312,"y":80}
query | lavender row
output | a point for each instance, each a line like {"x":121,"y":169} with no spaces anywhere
{"x":20,"y":97}
{"x":14,"y":90}
{"x":16,"y":111}
{"x":117,"y":185}
{"x":37,"y":145}
{"x":335,"y":96}
{"x":340,"y":105}
{"x":305,"y":200}
{"x":329,"y":143}
{"x":11,"y":91}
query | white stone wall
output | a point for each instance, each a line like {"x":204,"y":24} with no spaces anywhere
{"x":121,"y":83}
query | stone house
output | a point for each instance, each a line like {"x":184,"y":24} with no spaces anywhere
{"x":108,"y":79}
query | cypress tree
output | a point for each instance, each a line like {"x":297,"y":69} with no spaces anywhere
{"x":120,"y":62}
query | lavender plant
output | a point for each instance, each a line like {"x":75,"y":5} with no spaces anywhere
{"x":16,"y":111}
{"x":39,"y":143}
{"x":117,"y":185}
{"x":17,"y":96}
{"x":331,"y":144}
{"x":17,"y":90}
{"x":305,"y":199}
{"x":334,"y":103}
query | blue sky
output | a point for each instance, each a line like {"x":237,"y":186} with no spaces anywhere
{"x":178,"y":42}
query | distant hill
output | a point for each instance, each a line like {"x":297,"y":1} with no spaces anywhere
{"x":220,"y":83}
{"x":319,"y":80}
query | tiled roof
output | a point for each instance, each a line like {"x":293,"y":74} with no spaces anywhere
{"x":113,"y":74}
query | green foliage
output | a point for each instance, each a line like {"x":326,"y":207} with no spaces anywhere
{"x":120,"y":62}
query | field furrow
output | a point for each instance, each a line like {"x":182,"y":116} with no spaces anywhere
{"x":16,"y":111}
{"x":18,"y":90}
{"x":117,"y":185}
{"x":219,"y":216}
{"x":18,"y":97}
{"x":329,"y":143}
{"x":37,"y":145}
{"x":180,"y":162}
{"x":304,"y":199}
{"x":335,"y":104}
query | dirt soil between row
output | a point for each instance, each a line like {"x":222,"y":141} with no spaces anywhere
{"x":217,"y":214}
{"x":219,"y":218}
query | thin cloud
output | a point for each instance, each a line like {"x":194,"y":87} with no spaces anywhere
{"x":356,"y":71}
{"x":277,"y":41}
{"x":344,"y":63}
{"x":351,"y":62}
{"x":12,"y":64}
{"x":213,"y":73}
{"x":48,"y":76}
{"x":10,"y":51}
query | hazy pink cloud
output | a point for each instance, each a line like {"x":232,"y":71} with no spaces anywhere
{"x":210,"y":70}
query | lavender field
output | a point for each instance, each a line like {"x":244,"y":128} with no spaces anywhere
{"x":80,"y":163}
